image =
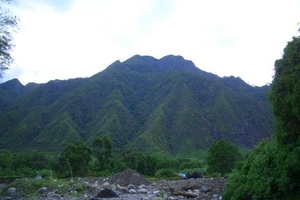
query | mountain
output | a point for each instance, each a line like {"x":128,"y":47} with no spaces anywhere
{"x":11,"y":91}
{"x":164,"y":106}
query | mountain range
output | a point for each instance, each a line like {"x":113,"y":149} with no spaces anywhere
{"x":164,"y":106}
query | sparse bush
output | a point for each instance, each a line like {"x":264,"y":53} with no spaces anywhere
{"x":165,"y":173}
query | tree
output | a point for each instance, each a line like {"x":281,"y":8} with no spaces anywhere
{"x":222,"y":156}
{"x":285,"y":98}
{"x":77,"y":157}
{"x":272,"y":171}
{"x":7,"y":25}
{"x":103,"y":152}
{"x":285,"y":95}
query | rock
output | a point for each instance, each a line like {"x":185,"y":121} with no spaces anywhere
{"x":38,"y":177}
{"x":105,"y":193}
{"x":205,"y":189}
{"x":156,"y":193}
{"x":132,"y":191}
{"x":106,"y":185}
{"x":142,"y":186}
{"x":127,"y":177}
{"x":143,"y":191}
{"x":130,"y":186}
{"x":42,"y":190}
{"x":51,"y":194}
{"x":11,"y":191}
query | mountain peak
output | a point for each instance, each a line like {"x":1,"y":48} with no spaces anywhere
{"x":148,"y":64}
{"x":12,"y":84}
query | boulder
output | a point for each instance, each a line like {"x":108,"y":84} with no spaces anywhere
{"x":105,"y":193}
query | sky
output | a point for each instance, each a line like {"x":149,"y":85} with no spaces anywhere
{"x":64,"y":39}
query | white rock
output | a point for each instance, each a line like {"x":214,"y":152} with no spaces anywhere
{"x":132,"y":191}
{"x":106,"y":185}
{"x":143,"y":191}
{"x":130,"y":186}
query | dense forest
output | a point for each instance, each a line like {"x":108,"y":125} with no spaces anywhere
{"x":165,"y":107}
{"x":272,"y":170}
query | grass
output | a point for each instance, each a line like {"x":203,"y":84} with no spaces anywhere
{"x":30,"y":187}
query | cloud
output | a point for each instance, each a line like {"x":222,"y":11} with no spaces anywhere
{"x":82,"y":37}
{"x":58,"y":5}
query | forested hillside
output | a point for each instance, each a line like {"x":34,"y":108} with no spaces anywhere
{"x":166,"y":106}
{"x":272,"y":170}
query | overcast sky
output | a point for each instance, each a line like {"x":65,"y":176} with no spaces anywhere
{"x":62,"y":39}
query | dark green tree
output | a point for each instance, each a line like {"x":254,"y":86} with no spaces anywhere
{"x":272,"y":171}
{"x":7,"y":24}
{"x":103,"y":152}
{"x":77,"y":156}
{"x":6,"y":159}
{"x":285,"y":98}
{"x":144,"y":164}
{"x":256,"y":177}
{"x":222,"y":156}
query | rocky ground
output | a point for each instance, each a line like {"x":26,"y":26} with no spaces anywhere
{"x":128,"y":185}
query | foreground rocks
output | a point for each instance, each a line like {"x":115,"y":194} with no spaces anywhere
{"x":130,"y":185}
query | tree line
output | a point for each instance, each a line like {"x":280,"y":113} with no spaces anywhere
{"x":272,"y":170}
{"x":99,"y":159}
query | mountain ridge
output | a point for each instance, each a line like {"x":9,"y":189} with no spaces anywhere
{"x":167,"y":106}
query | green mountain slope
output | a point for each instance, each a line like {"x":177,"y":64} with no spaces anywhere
{"x":166,"y":106}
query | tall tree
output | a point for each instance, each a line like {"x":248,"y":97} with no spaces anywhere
{"x":285,"y":95}
{"x":222,"y":156}
{"x":103,"y":152}
{"x":77,"y":157}
{"x":7,"y":24}
{"x":272,"y":171}
{"x":285,"y":98}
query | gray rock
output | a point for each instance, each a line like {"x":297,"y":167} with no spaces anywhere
{"x":38,"y":177}
{"x":156,"y":192}
{"x":52,"y":194}
{"x":132,"y":191}
{"x":130,"y":186}
{"x":205,"y":189}
{"x":143,"y":191}
{"x":10,"y":191}
{"x":106,"y":193}
{"x":106,"y":185}
{"x":142,"y":187}
{"x":42,"y":190}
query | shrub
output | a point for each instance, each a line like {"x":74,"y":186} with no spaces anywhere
{"x":165,"y":173}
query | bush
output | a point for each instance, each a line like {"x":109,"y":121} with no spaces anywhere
{"x":222,"y":156}
{"x":165,"y":173}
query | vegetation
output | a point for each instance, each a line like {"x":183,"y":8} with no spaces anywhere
{"x":272,"y":170}
{"x":222,"y":156}
{"x":7,"y":24}
{"x":80,"y":160}
{"x":166,"y":107}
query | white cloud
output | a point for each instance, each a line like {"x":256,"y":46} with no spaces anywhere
{"x":240,"y":38}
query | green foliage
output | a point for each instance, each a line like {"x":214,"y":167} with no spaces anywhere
{"x":77,"y":156}
{"x":272,"y":171}
{"x":7,"y":24}
{"x":191,"y":164}
{"x":222,"y":156}
{"x":103,"y":152}
{"x":166,"y":107}
{"x":257,"y":177}
{"x":22,"y":164}
{"x":285,"y":95}
{"x":144,"y":164}
{"x":29,"y":187}
{"x":166,"y":173}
